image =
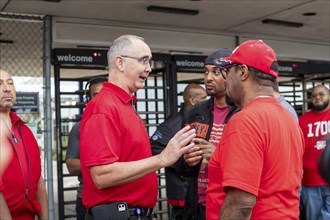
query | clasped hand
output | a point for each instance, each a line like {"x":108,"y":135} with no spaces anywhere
{"x":202,"y":150}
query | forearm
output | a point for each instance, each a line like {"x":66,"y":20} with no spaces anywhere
{"x":238,"y":204}
{"x":4,"y":210}
{"x":124,"y":172}
{"x":42,"y":198}
{"x":73,"y":165}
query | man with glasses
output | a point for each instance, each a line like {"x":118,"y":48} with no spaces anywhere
{"x":256,"y":170}
{"x":117,"y":167}
{"x":176,"y":186}
{"x":209,"y":119}
{"x":315,"y":125}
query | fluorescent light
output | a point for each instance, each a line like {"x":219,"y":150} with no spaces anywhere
{"x":171,"y":10}
{"x":282,"y":23}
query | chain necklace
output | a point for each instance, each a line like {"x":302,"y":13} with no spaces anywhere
{"x":11,"y":131}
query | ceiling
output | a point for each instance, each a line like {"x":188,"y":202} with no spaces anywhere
{"x":242,"y":18}
{"x":228,"y":17}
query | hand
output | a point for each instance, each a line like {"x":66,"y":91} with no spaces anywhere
{"x":207,"y":148}
{"x":193,"y":156}
{"x":178,"y":145}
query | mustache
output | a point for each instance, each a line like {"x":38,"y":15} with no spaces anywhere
{"x":6,"y":96}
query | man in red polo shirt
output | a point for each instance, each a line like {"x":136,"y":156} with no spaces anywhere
{"x":115,"y":155}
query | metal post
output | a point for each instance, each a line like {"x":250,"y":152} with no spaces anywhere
{"x":47,"y":44}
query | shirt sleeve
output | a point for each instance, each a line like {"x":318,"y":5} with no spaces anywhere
{"x":73,"y":143}
{"x":100,"y":141}
{"x":1,"y":184}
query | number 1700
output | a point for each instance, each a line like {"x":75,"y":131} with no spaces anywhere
{"x":320,"y":128}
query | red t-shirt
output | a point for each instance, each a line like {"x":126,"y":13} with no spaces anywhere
{"x":261,"y":153}
{"x":111,"y":131}
{"x":315,"y":126}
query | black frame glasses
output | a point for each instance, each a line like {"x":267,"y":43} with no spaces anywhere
{"x":224,"y":70}
{"x":320,"y":94}
{"x":145,"y":60}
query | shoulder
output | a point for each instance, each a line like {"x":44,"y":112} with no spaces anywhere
{"x":200,"y":107}
{"x":75,"y":128}
{"x":306,"y":115}
{"x":176,"y":118}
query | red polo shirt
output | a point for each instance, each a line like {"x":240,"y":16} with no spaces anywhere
{"x":111,"y":131}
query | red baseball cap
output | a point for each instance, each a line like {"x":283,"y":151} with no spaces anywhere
{"x":256,"y":54}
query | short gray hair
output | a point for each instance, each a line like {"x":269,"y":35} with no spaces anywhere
{"x":120,"y":46}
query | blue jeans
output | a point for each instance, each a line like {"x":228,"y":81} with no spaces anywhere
{"x":316,"y":201}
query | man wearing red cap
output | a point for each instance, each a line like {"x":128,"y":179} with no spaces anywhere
{"x":209,"y":119}
{"x":256,"y":170}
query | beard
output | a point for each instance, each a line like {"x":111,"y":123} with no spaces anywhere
{"x":320,"y":107}
{"x":229,"y":101}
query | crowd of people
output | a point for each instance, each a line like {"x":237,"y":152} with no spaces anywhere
{"x":243,"y":153}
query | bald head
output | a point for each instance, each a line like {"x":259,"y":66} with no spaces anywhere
{"x":193,"y":94}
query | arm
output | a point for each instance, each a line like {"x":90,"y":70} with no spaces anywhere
{"x":42,"y":198}
{"x":73,"y":165}
{"x":124,"y":172}
{"x":238,"y":204}
{"x":72,"y":157}
{"x":4,"y":210}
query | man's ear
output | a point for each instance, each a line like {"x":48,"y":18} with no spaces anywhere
{"x":244,"y":72}
{"x":120,"y":63}
{"x":192,"y":100}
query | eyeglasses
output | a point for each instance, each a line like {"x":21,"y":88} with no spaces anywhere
{"x":321,"y":94}
{"x":224,"y":71}
{"x":143,"y":60}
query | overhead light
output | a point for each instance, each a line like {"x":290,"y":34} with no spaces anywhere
{"x":282,"y":23}
{"x":309,"y":14}
{"x":52,"y":1}
{"x":170,"y":10}
{"x":6,"y":42}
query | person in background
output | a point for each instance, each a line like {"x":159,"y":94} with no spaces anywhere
{"x":72,"y":160}
{"x":283,"y":102}
{"x":115,"y":153}
{"x":261,"y":147}
{"x":5,"y":156}
{"x":209,"y":119}
{"x":315,"y":124}
{"x":23,"y":186}
{"x":324,"y":162}
{"x":176,"y":186}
